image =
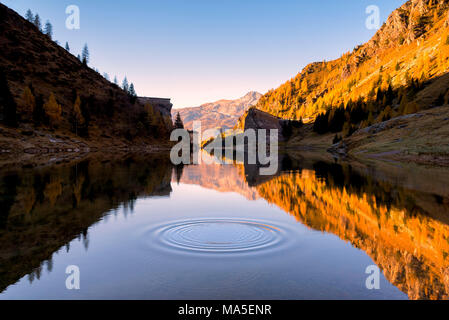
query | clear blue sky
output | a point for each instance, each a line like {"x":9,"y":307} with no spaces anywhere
{"x":197,"y":51}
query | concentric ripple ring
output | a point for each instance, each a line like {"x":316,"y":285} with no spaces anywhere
{"x":218,"y":235}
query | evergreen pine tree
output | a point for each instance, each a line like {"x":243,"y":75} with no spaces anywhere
{"x":29,"y":16}
{"x":48,"y":30}
{"x":125,"y":85}
{"x":178,"y":122}
{"x":67,"y":46}
{"x":37,"y":22}
{"x":132,"y":91}
{"x":85,"y":55}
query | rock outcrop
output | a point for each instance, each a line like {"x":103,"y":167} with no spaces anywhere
{"x":162,"y":105}
{"x":255,"y":119}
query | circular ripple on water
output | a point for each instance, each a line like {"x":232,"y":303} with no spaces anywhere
{"x":219,"y":235}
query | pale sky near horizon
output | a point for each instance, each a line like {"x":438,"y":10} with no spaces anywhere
{"x":198,"y":51}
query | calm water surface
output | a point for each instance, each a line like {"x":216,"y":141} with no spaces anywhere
{"x":139,"y":228}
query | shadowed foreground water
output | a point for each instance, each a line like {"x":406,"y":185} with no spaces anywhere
{"x":139,"y":228}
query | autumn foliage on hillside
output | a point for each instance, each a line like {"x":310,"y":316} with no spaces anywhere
{"x":410,"y":246}
{"x":399,"y":71}
{"x":44,"y":87}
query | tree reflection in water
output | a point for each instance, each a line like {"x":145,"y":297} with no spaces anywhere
{"x":398,"y":216}
{"x":44,"y":209}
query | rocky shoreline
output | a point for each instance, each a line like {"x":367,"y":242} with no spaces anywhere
{"x":421,"y":138}
{"x":35,"y":148}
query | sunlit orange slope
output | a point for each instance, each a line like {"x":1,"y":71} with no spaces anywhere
{"x":412,"y":44}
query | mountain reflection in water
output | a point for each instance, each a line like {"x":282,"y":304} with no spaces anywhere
{"x":44,"y":209}
{"x":399,"y":216}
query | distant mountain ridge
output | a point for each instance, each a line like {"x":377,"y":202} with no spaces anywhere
{"x":218,"y":114}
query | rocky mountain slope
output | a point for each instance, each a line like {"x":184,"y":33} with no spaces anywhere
{"x":218,"y":114}
{"x":226,"y":178}
{"x":388,"y":98}
{"x":55,"y":97}
{"x":410,"y":50}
